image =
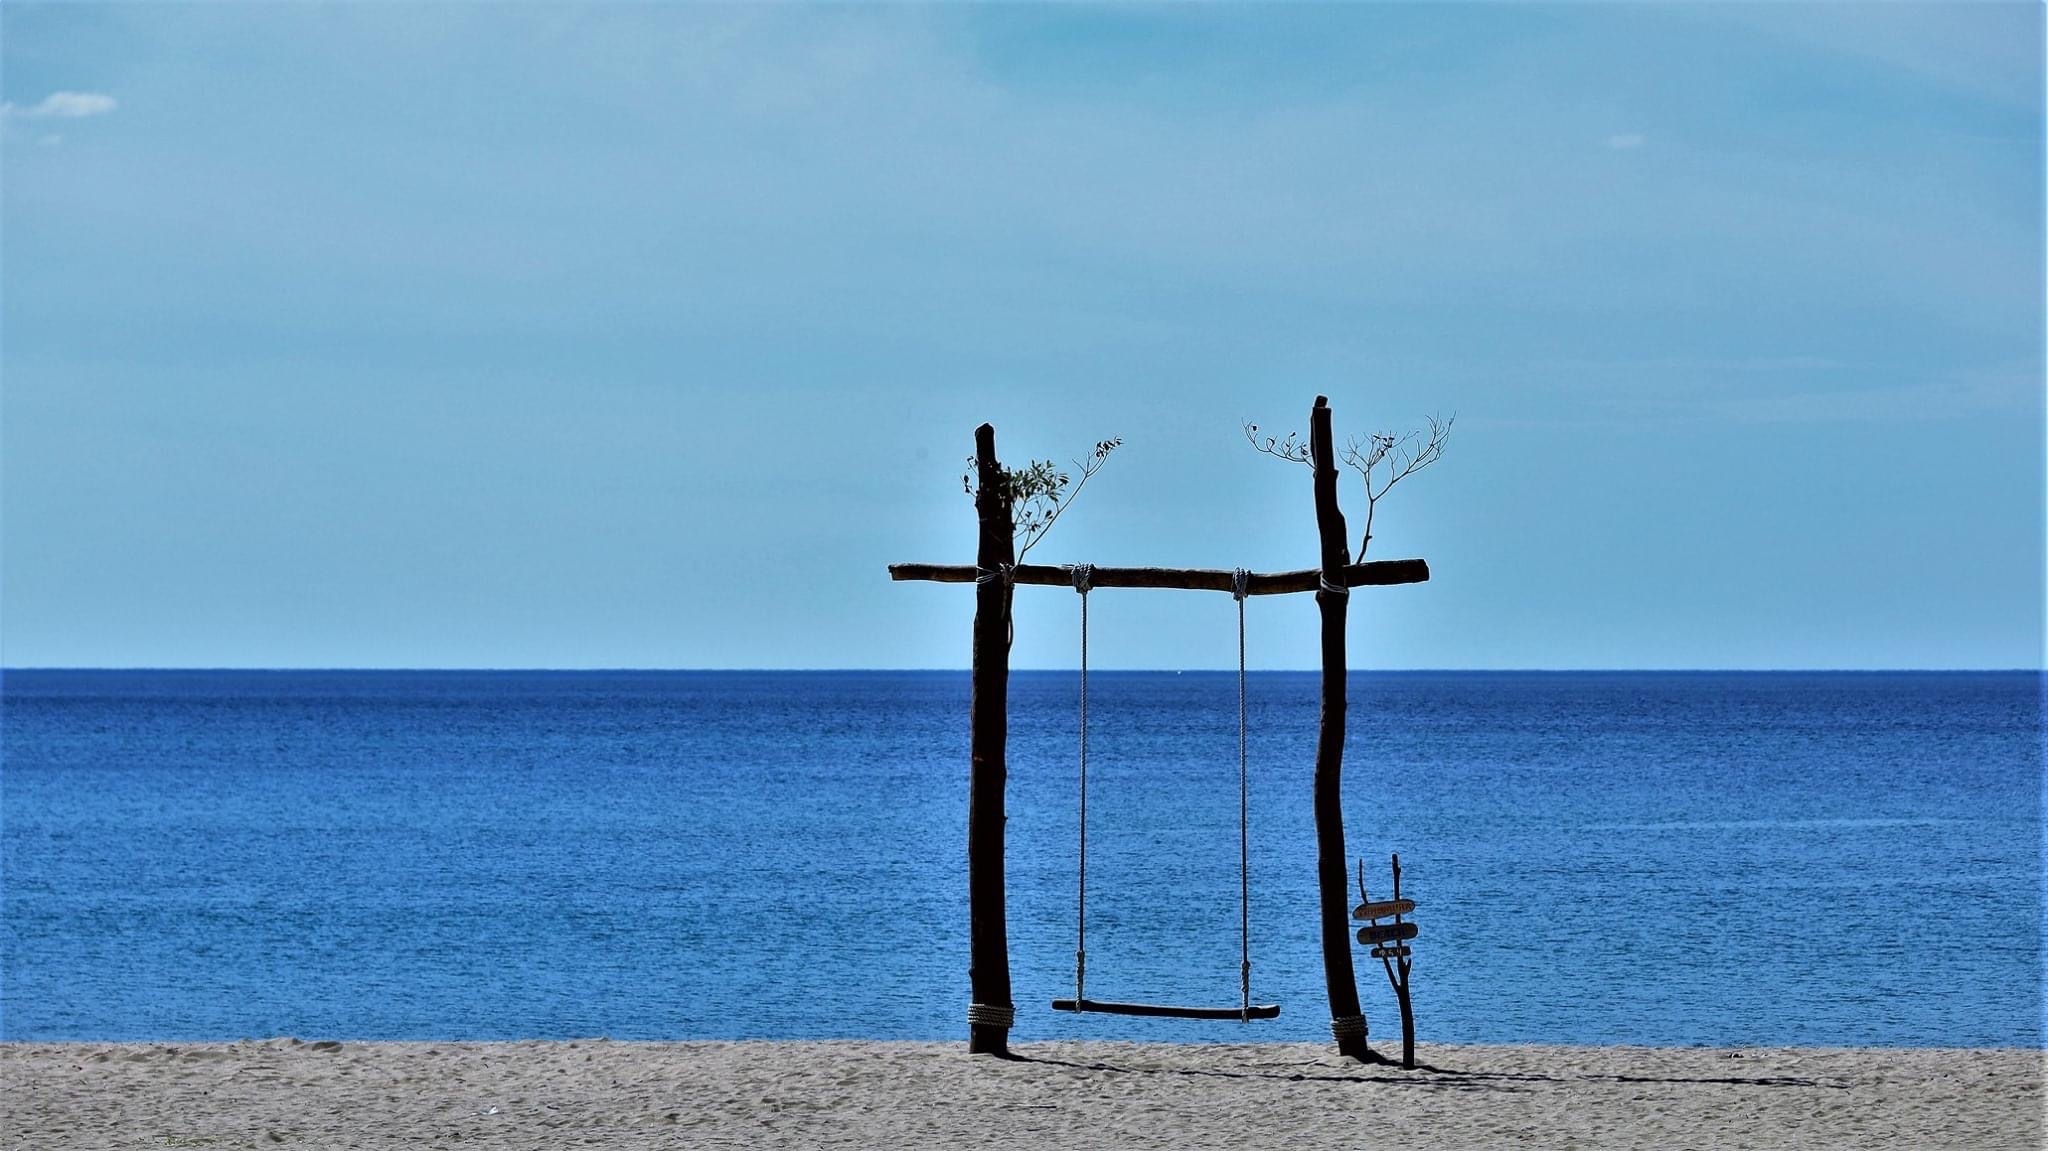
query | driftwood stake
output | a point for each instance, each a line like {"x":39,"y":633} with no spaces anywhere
{"x":1331,"y":882}
{"x":988,"y":970}
{"x":1401,"y":985}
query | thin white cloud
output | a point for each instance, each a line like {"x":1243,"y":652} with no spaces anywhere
{"x":1622,"y":141}
{"x":64,"y":106}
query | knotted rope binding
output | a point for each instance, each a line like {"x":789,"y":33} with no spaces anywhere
{"x":991,"y":1015}
{"x":1347,"y":1026}
{"x":1007,"y":574}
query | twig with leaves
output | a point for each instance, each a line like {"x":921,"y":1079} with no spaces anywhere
{"x":1040,"y":491}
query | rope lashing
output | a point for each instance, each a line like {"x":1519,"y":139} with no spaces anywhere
{"x":991,"y":1015}
{"x":1332,"y":588}
{"x":1347,"y":1027}
{"x":1084,"y":577}
{"x":1007,"y":574}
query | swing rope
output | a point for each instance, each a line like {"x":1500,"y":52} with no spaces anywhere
{"x":1083,"y":578}
{"x":1240,"y":582}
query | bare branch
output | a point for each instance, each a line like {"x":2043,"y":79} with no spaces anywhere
{"x":1293,"y":449}
{"x":1411,"y":460}
{"x":1364,"y":459}
{"x":1403,"y":455}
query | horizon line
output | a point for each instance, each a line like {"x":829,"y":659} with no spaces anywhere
{"x":9,"y":669}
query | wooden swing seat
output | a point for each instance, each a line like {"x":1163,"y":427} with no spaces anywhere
{"x":1167,"y":1011}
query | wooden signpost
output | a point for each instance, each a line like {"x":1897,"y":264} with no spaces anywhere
{"x":1394,"y":958}
{"x":995,"y":574}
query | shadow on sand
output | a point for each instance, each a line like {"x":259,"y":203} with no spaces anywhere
{"x":1429,"y":1077}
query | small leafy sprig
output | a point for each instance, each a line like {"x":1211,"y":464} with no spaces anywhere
{"x":1041,"y":490}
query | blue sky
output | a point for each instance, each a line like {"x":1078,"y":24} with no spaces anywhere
{"x":646,"y":336}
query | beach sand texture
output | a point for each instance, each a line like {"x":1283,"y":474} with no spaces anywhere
{"x":285,"y":1092}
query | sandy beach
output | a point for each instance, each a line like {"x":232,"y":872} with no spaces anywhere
{"x":287,"y":1092}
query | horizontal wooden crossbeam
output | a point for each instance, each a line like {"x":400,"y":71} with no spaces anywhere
{"x":1378,"y":573}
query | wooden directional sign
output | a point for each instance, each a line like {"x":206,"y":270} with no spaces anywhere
{"x":1383,"y":908}
{"x":1386,"y":932}
{"x":1397,"y":951}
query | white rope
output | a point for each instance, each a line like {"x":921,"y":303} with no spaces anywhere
{"x":1348,"y":1027}
{"x":991,"y":1015}
{"x":1332,"y":588}
{"x":1007,"y":573}
{"x":1083,"y":579}
{"x":1240,"y":583}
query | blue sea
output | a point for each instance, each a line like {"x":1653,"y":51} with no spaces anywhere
{"x":1671,"y":859}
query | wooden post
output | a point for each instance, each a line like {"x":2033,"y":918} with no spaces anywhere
{"x":1347,"y":1018}
{"x":988,"y":970}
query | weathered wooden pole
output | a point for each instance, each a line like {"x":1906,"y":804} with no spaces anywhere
{"x":991,"y":1011}
{"x":1347,"y":1019}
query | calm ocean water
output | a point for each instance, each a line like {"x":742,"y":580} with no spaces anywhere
{"x":1598,"y":858}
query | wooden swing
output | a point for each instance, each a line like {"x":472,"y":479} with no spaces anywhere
{"x":1246,"y":1010}
{"x":995,"y":573}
